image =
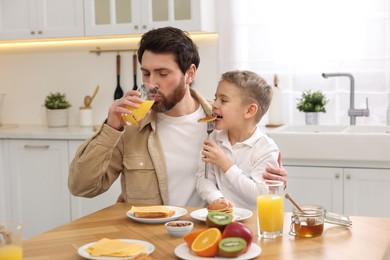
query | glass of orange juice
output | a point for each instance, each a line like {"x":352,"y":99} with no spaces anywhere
{"x":10,"y":241}
{"x":148,"y":92}
{"x":270,"y":209}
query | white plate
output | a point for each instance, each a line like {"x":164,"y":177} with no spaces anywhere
{"x":179,"y":212}
{"x":182,"y":251}
{"x":238,"y":214}
{"x":82,"y":251}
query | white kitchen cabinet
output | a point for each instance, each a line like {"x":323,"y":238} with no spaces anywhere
{"x":116,"y":17}
{"x":84,"y":206}
{"x":367,"y":192}
{"x":4,"y":194}
{"x":31,"y":19}
{"x":316,"y":185}
{"x":39,"y":197}
{"x":34,"y":185}
{"x":348,"y":191}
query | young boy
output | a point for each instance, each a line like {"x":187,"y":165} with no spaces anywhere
{"x":237,"y":151}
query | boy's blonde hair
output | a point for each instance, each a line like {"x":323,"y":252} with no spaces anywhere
{"x":254,"y":89}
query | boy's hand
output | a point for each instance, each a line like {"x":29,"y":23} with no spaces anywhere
{"x":277,"y":174}
{"x":212,"y":153}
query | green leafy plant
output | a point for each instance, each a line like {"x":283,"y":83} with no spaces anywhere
{"x":57,"y":101}
{"x":312,"y":101}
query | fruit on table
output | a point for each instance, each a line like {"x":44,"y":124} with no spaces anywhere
{"x":231,"y":246}
{"x":190,"y":237}
{"x":206,"y":243}
{"x":218,"y":219}
{"x":238,"y":229}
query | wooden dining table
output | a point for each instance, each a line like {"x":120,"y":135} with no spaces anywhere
{"x":368,"y":238}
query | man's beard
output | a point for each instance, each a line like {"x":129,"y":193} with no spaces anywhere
{"x":166,"y":103}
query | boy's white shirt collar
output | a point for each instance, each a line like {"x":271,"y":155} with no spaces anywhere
{"x":222,"y":136}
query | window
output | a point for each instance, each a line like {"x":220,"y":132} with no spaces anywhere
{"x":301,"y":39}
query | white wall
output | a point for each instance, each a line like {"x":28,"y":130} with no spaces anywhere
{"x":29,"y":72}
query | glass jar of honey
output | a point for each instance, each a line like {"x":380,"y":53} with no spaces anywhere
{"x":309,"y":222}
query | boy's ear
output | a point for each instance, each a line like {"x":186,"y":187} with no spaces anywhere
{"x":251,"y":110}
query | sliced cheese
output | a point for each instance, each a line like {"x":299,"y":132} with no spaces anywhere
{"x":114,"y":247}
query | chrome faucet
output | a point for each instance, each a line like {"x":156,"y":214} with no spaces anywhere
{"x":352,"y":111}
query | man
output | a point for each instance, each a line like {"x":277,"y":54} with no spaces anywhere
{"x":157,"y":160}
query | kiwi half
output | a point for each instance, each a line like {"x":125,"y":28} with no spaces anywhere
{"x":231,"y":246}
{"x":218,"y":219}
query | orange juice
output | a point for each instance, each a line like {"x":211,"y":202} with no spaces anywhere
{"x":270,"y":213}
{"x":138,"y":113}
{"x":11,"y":252}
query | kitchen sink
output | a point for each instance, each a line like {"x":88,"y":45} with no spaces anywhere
{"x":368,"y":129}
{"x":358,"y":145}
{"x":312,"y":129}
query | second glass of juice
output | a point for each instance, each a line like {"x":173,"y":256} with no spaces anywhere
{"x":270,"y":210}
{"x":10,"y":241}
{"x":148,"y":92}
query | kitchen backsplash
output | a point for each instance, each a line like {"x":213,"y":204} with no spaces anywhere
{"x":28,"y":73}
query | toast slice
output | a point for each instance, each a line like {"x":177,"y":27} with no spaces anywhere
{"x":152,"y":212}
{"x":208,"y":118}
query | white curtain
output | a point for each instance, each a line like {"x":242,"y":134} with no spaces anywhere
{"x":301,"y":39}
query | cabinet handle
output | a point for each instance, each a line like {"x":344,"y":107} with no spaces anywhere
{"x":348,"y":176}
{"x":144,"y":27}
{"x":136,"y":27}
{"x":39,"y":32}
{"x":32,"y":32}
{"x":337,"y":175}
{"x":43,"y":147}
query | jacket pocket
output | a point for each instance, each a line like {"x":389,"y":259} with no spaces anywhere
{"x":140,"y":179}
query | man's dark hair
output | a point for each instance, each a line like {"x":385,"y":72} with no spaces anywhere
{"x":171,"y":40}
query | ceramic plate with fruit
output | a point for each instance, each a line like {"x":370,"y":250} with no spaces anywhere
{"x":182,"y":251}
{"x":238,"y":214}
{"x":219,"y":241}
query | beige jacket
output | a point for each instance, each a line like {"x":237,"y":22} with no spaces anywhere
{"x":135,"y":152}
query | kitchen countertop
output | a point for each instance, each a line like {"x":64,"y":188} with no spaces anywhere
{"x":44,"y":132}
{"x":14,"y":131}
{"x":333,"y":149}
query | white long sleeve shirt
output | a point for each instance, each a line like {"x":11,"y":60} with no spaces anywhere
{"x":242,"y":183}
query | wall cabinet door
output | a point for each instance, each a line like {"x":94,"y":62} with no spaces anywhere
{"x":112,"y":17}
{"x":31,"y":19}
{"x":316,"y":185}
{"x":115,"y":17}
{"x":38,"y":175}
{"x":367,"y":192}
{"x":188,"y":15}
{"x":84,"y":206}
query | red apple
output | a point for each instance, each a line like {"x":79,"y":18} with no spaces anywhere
{"x":238,"y":229}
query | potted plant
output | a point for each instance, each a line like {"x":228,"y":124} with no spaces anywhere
{"x":57,"y":109}
{"x":312,"y":103}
